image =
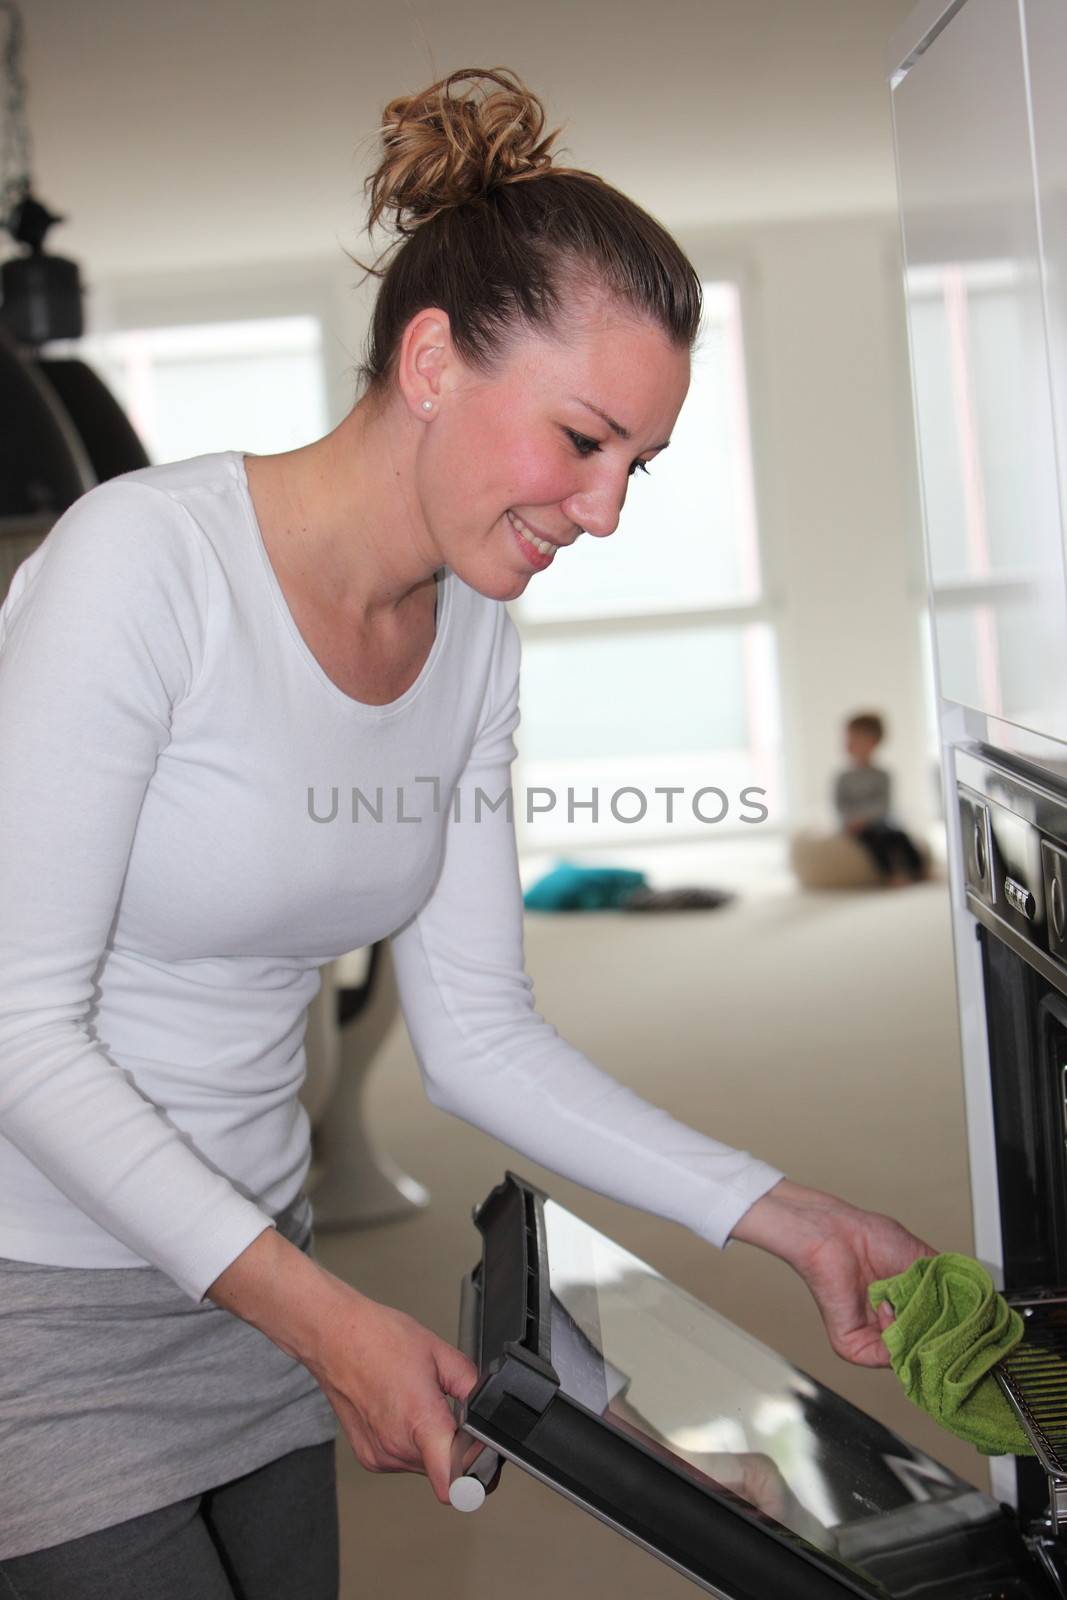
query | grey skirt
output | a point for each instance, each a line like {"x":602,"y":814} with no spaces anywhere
{"x":119,"y":1394}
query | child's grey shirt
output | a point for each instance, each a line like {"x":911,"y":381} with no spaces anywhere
{"x":861,"y":794}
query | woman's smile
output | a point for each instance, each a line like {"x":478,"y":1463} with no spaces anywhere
{"x":539,"y":552}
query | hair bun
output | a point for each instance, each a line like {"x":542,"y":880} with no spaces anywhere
{"x":441,"y":148}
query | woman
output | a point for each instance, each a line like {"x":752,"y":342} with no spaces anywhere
{"x":198,"y":656}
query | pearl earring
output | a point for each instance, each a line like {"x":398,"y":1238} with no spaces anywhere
{"x":427,"y":405}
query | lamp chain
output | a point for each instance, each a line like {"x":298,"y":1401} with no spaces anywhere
{"x":15,"y":153}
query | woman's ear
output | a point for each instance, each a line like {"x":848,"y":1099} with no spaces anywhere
{"x":425,"y":353}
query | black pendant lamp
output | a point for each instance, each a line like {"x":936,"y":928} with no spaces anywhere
{"x":63,"y":428}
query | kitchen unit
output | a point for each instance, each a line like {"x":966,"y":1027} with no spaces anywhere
{"x":980,"y":124}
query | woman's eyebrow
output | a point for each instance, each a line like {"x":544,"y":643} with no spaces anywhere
{"x":616,"y":427}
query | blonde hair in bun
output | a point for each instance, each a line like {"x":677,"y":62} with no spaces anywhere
{"x":494,"y":234}
{"x":442,"y":148}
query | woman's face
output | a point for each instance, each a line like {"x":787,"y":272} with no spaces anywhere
{"x":513,"y":466}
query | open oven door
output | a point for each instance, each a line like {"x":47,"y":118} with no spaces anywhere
{"x":647,"y":1409}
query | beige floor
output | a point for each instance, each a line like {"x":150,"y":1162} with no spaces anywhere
{"x":819,"y":1031}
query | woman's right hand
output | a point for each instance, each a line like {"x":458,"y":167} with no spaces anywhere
{"x":388,"y":1378}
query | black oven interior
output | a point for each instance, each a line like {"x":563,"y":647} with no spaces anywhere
{"x":1027,"y":1023}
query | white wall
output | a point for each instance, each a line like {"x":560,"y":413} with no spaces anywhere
{"x":180,"y":135}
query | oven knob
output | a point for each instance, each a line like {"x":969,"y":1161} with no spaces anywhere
{"x":979,"y":847}
{"x":1019,"y":896}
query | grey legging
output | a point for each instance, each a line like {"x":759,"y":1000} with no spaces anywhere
{"x":270,"y":1535}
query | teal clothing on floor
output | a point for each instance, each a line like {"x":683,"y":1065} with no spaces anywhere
{"x":570,"y":888}
{"x":951,"y":1329}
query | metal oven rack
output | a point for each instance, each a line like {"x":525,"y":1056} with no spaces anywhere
{"x":1034,"y":1379}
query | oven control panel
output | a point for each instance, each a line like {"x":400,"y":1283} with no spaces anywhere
{"x":977,"y":846}
{"x":1003,"y":864}
{"x":1020,"y":899}
{"x":1054,"y":869}
{"x":1014,"y":835}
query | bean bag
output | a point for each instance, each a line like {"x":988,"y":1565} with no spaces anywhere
{"x":835,"y":861}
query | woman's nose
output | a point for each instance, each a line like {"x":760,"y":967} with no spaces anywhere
{"x":597,"y":509}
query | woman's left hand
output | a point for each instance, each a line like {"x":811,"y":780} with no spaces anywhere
{"x":838,"y":1250}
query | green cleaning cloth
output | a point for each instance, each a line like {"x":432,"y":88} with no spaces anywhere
{"x":951,"y":1329}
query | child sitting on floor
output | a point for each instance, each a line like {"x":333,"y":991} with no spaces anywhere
{"x":862,"y":799}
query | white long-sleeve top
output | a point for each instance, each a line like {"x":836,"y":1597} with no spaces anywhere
{"x":194,"y":819}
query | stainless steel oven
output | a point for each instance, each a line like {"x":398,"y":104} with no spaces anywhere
{"x":1013,"y":821}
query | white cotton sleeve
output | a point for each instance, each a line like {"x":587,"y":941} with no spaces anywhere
{"x":488,"y":1057}
{"x":99,"y":639}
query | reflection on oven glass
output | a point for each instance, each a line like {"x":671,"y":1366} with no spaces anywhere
{"x":656,"y":1363}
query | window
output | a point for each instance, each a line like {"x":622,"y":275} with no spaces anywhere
{"x":253,"y":385}
{"x":649,"y":658}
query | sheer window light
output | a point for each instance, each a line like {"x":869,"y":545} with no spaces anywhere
{"x":255,"y":385}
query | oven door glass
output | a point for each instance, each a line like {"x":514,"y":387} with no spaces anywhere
{"x":641,"y":1404}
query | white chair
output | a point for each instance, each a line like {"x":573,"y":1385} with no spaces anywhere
{"x":353,"y":1184}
